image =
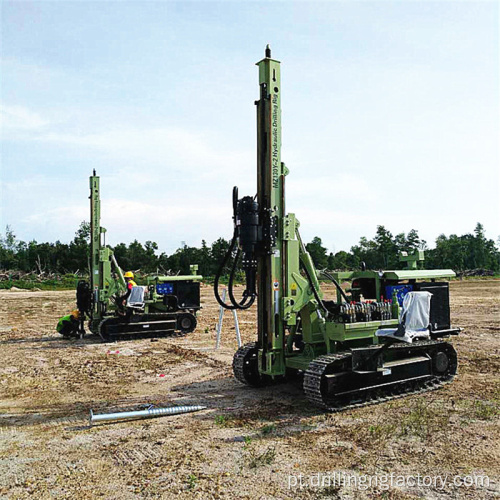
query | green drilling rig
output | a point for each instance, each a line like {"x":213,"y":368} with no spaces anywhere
{"x":164,"y":306}
{"x":382,"y":339}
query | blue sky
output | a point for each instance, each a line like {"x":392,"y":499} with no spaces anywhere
{"x":390,"y":116}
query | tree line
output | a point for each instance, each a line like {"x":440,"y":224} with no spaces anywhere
{"x":460,"y":253}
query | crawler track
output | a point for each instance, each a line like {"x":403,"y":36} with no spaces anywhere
{"x":245,"y":365}
{"x":163,"y":325}
{"x":314,"y":379}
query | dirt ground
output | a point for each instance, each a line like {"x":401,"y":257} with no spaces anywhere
{"x":249,"y":443}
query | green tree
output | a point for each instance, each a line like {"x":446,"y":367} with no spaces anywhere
{"x":366,"y":251}
{"x":413,"y":241}
{"x":79,"y":251}
{"x":8,"y":257}
{"x":317,"y":253}
{"x":137,"y":255}
{"x":150,"y":263}
{"x":10,"y":239}
{"x":341,"y":261}
{"x":386,"y":248}
{"x":206,"y":267}
{"x":478,"y":248}
{"x":82,"y":235}
{"x":218,"y":250}
{"x":122,"y":256}
{"x":449,"y":253}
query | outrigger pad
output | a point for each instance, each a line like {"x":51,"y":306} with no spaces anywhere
{"x":414,"y":320}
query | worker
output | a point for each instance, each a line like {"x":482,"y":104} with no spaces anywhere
{"x":129,"y":280}
{"x":68,"y":325}
{"x":130,"y":283}
{"x":121,"y":300}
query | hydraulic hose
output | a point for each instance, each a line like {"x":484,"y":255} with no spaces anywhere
{"x":309,"y":278}
{"x":336,"y":283}
{"x":248,"y":297}
{"x":221,"y":269}
{"x":243,"y":303}
{"x":315,"y":292}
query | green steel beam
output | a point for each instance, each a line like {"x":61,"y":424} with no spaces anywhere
{"x":165,"y":279}
{"x":95,"y":232}
{"x":271,"y":199}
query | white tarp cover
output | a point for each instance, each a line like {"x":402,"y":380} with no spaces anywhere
{"x":414,"y":319}
{"x":136,"y":297}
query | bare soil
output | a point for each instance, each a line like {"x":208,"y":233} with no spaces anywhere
{"x":249,"y":443}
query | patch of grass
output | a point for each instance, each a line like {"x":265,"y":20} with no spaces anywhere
{"x":423,"y":420}
{"x":308,"y":427}
{"x":268,"y":429}
{"x":332,"y":491}
{"x":192,"y":480}
{"x":62,"y":282}
{"x":376,"y":432}
{"x":485,"y":410}
{"x":249,"y":420}
{"x":381,"y":431}
{"x":222,"y":420}
{"x":255,"y":459}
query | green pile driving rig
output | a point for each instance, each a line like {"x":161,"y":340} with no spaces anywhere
{"x":165,"y":306}
{"x":361,"y":346}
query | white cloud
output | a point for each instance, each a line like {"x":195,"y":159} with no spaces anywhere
{"x":326,"y":187}
{"x":179,"y":149}
{"x":142,"y":214}
{"x":60,"y":216}
{"x":20,"y":118}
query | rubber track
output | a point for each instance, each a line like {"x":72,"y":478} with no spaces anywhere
{"x":129,"y":336}
{"x":317,"y":368}
{"x":239,"y":364}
